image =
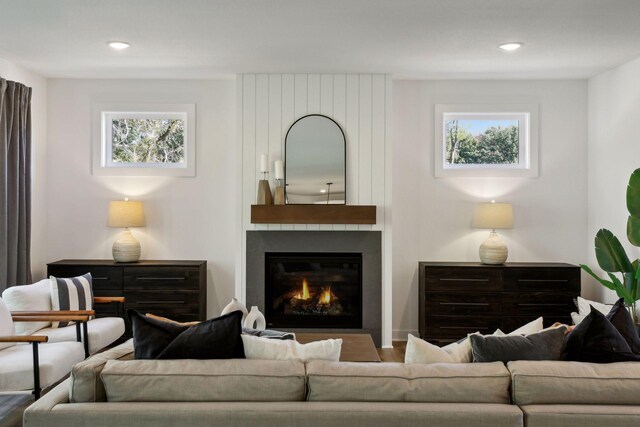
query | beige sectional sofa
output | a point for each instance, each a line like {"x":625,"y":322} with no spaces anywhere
{"x":111,"y":389}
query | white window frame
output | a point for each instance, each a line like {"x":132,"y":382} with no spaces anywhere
{"x":102,"y":159}
{"x":527,"y":116}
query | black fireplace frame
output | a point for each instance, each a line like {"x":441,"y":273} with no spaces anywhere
{"x":275,"y":320}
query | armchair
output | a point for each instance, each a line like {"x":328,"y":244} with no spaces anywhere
{"x":47,"y":363}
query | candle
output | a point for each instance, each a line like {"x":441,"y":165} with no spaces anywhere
{"x":279,"y":169}
{"x":264,"y":163}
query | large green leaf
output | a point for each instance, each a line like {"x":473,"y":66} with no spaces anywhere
{"x":633,"y":194}
{"x":610,"y":253}
{"x":633,"y":230}
{"x":603,"y":282}
{"x":621,"y":290}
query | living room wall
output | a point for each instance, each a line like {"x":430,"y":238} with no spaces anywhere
{"x":10,"y":71}
{"x":187,"y":218}
{"x":614,"y":153}
{"x":432,"y":217}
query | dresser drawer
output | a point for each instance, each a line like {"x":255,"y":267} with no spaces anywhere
{"x":458,"y":327}
{"x":463,"y":279}
{"x":167,"y":278}
{"x":101,"y":277}
{"x":538,"y":304}
{"x":444,"y":303}
{"x":176,"y":305}
{"x":542,"y":279}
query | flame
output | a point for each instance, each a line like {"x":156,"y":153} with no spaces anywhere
{"x":325,"y":297}
{"x":305,"y":291}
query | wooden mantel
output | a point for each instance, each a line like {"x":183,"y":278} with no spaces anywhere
{"x":313,"y":214}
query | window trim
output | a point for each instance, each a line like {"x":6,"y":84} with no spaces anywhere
{"x":102,"y":162}
{"x":527,"y":114}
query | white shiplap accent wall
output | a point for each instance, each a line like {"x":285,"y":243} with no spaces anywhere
{"x":361,"y":103}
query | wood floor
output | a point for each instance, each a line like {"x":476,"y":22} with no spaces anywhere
{"x":12,"y":406}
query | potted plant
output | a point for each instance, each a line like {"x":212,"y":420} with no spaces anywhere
{"x":612,"y":257}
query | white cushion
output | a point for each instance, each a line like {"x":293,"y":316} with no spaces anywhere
{"x":532,"y":327}
{"x":35,"y":297}
{"x":576,"y":318}
{"x":102,"y":332}
{"x":6,"y":325}
{"x":584,"y":307}
{"x":265,"y":348}
{"x":56,"y":361}
{"x":421,"y":351}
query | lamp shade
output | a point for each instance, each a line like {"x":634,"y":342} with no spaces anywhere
{"x":493,"y":215}
{"x":123,"y":214}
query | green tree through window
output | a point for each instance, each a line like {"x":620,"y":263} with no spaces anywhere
{"x":148,"y":141}
{"x":491,"y":144}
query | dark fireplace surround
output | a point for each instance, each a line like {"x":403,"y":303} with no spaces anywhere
{"x":343,"y":275}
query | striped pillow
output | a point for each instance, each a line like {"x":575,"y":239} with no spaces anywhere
{"x":73,"y":293}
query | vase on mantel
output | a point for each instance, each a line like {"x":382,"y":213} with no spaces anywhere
{"x":235,"y":305}
{"x":257,"y":318}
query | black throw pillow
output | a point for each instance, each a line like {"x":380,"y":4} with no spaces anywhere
{"x":621,"y":319}
{"x":152,"y":336}
{"x":544,"y":345}
{"x":596,"y":340}
{"x":217,"y":338}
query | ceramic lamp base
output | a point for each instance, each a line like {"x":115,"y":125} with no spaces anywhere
{"x":126,"y":248}
{"x":264,"y":193}
{"x":493,"y":250}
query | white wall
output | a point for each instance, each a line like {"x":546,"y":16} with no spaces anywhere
{"x":432,"y":217}
{"x":187,"y":218}
{"x":614,"y":153}
{"x":268,"y":104}
{"x":38,"y":83}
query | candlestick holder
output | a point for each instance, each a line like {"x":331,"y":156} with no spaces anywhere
{"x":264,"y":196}
{"x":279,"y":193}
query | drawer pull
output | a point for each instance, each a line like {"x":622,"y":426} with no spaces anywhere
{"x":463,"y":304}
{"x":160,"y":302}
{"x":446,"y":279}
{"x":544,"y":280}
{"x":100,"y":278}
{"x":462,"y":327}
{"x":162,"y":278}
{"x":542,"y":304}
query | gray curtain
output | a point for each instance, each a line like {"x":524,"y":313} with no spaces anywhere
{"x":15,"y":184}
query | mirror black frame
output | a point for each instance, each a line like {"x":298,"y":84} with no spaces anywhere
{"x":344,"y":145}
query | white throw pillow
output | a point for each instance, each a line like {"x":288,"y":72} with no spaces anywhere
{"x":35,"y":297}
{"x":576,"y":318}
{"x":421,"y":351}
{"x":584,"y":307}
{"x":6,"y":325}
{"x":265,"y":348}
{"x":532,"y":327}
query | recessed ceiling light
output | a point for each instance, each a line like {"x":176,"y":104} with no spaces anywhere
{"x":511,"y":46}
{"x":119,"y":45}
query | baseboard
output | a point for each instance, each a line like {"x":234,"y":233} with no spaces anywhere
{"x":401,"y":334}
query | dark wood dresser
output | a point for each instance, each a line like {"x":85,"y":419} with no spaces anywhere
{"x":173,"y":289}
{"x":461,"y":298}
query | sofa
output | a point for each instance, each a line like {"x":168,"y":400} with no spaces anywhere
{"x":111,"y":388}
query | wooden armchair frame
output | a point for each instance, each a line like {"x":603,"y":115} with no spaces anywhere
{"x":34,"y":340}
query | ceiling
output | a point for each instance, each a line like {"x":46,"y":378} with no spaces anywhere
{"x":407,"y":38}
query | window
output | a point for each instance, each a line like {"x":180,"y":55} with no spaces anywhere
{"x":144,"y":140}
{"x":486,"y":140}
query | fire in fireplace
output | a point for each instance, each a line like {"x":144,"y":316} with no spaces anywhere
{"x":313,"y":290}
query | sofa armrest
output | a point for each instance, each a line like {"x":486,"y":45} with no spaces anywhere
{"x":52,"y":318}
{"x":25,"y":338}
{"x":107,"y":300}
{"x":53,"y":313}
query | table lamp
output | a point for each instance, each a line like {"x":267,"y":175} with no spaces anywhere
{"x":492,"y":216}
{"x":125,"y":214}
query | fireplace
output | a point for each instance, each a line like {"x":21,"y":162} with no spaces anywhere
{"x":313,"y":290}
{"x":360,"y":309}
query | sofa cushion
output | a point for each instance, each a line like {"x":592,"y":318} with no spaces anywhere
{"x":6,"y":325}
{"x":56,"y":360}
{"x":73,"y":293}
{"x":397,"y":382}
{"x":85,"y":384}
{"x":102,"y":332}
{"x":544,"y":345}
{"x":270,"y":349}
{"x":35,"y":297}
{"x":596,"y":340}
{"x":559,"y":382}
{"x":231,"y":380}
{"x":621,"y":319}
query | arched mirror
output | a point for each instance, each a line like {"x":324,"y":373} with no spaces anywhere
{"x":315,"y":151}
